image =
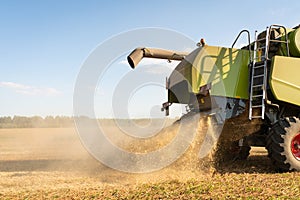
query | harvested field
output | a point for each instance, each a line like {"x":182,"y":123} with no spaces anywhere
{"x":52,"y":164}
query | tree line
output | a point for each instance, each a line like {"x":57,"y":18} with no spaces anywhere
{"x":36,"y":122}
{"x":65,"y":121}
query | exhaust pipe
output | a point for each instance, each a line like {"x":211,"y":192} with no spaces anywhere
{"x":139,"y":53}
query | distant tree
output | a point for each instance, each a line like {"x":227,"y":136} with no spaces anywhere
{"x":49,"y":121}
{"x":36,"y":122}
{"x":21,"y":122}
{"x":5,"y":122}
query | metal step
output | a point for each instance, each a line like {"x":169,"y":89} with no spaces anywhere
{"x":256,"y":86}
{"x":258,"y":76}
{"x":258,"y":95}
{"x":258,"y":66}
{"x":256,"y":116}
{"x":260,"y":63}
{"x":257,"y":106}
{"x":261,"y":39}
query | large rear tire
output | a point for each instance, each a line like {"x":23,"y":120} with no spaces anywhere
{"x":239,"y":152}
{"x":283,"y":144}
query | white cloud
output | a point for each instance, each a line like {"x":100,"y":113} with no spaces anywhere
{"x":30,"y":90}
{"x":14,"y":85}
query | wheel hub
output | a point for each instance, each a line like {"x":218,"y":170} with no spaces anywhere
{"x":295,"y":146}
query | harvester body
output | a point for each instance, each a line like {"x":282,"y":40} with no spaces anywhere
{"x":284,"y":79}
{"x":258,"y":82}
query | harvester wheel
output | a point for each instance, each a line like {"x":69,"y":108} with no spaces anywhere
{"x":283,"y":144}
{"x":240,"y":152}
{"x":244,"y":153}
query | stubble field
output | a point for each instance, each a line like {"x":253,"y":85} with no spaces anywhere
{"x":52,"y":164}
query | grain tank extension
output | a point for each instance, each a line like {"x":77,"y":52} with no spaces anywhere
{"x":256,"y":86}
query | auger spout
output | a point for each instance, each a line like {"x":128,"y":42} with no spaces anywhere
{"x":139,"y":53}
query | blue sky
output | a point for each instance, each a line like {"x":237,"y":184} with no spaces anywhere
{"x":44,"y":43}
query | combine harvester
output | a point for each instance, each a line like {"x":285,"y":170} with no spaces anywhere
{"x":254,"y":91}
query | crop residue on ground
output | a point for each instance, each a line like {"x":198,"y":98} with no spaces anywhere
{"x":45,"y":163}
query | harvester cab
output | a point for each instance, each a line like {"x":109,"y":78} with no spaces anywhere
{"x":256,"y":86}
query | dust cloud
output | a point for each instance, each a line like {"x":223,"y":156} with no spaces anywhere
{"x":59,"y":150}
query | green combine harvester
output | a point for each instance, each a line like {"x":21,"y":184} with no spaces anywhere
{"x":254,"y":91}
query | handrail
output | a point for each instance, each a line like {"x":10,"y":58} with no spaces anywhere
{"x":249,"y":46}
{"x":285,"y":35}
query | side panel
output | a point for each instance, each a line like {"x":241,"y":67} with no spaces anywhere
{"x":223,"y":70}
{"x":285,"y":80}
{"x":229,"y":75}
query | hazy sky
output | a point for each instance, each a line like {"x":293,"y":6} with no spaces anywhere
{"x":43,"y":44}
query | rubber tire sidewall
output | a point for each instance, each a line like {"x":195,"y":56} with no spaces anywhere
{"x":291,"y":132}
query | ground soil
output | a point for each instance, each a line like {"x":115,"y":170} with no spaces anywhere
{"x":52,"y":164}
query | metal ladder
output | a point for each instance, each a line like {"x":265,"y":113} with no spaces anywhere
{"x":258,"y":83}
